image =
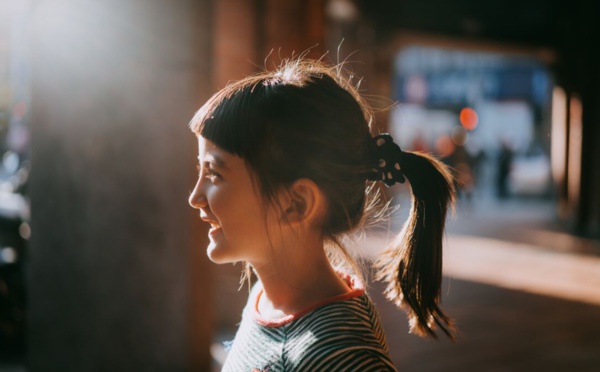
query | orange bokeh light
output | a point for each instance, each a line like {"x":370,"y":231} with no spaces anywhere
{"x":444,"y":146}
{"x":468,"y":118}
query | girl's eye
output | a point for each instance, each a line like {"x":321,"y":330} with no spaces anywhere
{"x":207,"y":171}
{"x":210,"y":173}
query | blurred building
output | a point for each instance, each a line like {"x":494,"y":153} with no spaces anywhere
{"x":554,"y":42}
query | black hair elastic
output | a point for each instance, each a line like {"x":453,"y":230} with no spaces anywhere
{"x":387,"y":157}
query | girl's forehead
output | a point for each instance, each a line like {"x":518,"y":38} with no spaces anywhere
{"x":206,"y":147}
{"x":209,"y":151}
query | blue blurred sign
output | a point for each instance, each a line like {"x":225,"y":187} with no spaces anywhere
{"x":463,"y":87}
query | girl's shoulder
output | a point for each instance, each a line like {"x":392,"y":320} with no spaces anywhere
{"x":353,"y":316}
{"x":345,"y":335}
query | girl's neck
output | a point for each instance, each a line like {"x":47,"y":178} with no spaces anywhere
{"x":293,"y":284}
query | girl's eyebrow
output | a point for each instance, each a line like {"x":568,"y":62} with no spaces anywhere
{"x":214,"y":159}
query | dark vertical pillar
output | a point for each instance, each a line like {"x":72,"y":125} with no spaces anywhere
{"x":588,"y":217}
{"x":589,"y":214}
{"x":577,"y":72}
{"x":292,"y":28}
{"x":351,"y":39}
{"x":235,"y":41}
{"x":585,"y":35}
{"x":117,"y":268}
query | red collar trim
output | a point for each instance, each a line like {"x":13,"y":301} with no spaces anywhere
{"x":357,"y":288}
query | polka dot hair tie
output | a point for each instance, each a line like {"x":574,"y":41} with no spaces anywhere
{"x":387,"y":157}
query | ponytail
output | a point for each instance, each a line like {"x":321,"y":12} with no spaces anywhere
{"x":412,"y":265}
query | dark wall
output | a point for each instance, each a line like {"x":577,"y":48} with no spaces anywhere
{"x":114,"y":273}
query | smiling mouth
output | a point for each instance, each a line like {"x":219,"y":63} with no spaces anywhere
{"x":214,"y":227}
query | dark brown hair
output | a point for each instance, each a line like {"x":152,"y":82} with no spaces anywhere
{"x":305,"y":119}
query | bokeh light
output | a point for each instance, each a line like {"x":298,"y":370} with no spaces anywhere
{"x":460,"y":136}
{"x":468,"y":118}
{"x":444,"y":146}
{"x":8,"y":255}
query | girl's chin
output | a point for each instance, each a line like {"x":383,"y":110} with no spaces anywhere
{"x":219,"y":256}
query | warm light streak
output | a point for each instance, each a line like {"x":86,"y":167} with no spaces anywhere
{"x":574,"y":159}
{"x":517,"y":266}
{"x":558,"y":136}
{"x":524,"y":267}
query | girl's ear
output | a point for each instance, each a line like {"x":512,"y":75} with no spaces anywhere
{"x":304,"y":203}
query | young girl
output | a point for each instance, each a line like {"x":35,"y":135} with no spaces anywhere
{"x":287,"y":167}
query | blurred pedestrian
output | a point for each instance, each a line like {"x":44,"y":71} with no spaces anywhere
{"x":504,"y":165}
{"x":287,"y":167}
{"x":461,"y":161}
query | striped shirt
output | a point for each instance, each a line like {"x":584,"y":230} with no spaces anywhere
{"x":341,"y":334}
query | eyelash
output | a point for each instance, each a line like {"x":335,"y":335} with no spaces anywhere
{"x":209,"y":172}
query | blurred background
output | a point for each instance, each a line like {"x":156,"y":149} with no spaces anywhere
{"x":102,"y":264}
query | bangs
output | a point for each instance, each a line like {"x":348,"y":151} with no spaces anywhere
{"x":235,"y":118}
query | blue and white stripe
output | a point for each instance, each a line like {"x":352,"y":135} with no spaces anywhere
{"x":340,"y":336}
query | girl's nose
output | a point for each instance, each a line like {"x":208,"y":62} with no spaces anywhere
{"x":197,"y":198}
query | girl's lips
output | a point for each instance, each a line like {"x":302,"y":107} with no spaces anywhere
{"x":214,"y":229}
{"x":214,"y":225}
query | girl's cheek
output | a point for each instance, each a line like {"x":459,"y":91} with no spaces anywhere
{"x":216,"y":196}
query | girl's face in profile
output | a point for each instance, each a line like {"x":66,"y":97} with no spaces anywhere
{"x":228,"y":199}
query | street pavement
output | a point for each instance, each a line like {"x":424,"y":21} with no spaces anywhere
{"x":525,"y":294}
